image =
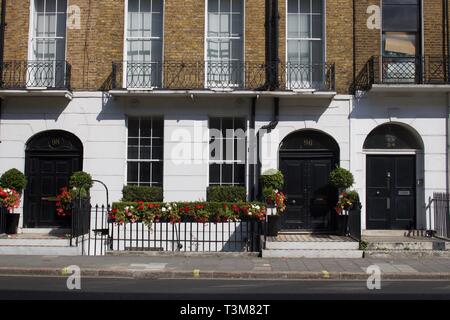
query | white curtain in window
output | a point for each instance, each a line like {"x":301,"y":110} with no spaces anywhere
{"x":305,"y":43}
{"x":224,"y":41}
{"x":144,"y":43}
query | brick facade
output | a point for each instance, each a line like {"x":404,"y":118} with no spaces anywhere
{"x":91,"y":49}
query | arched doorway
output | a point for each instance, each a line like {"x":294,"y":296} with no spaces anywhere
{"x":391,"y":186}
{"x":50,"y":159}
{"x":306,"y":159}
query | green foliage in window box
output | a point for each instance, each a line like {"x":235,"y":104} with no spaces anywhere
{"x":272,"y":179}
{"x":142,"y":193}
{"x":341,"y":179}
{"x":175,"y":212}
{"x":13,"y":179}
{"x":226,"y":193}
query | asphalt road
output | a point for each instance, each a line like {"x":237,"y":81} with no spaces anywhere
{"x":21,"y":287}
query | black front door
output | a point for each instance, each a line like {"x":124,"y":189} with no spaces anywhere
{"x":309,"y":196}
{"x":391,"y":192}
{"x":46,"y":176}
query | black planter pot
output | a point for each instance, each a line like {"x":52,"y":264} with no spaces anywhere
{"x":12,"y":223}
{"x":273,"y":225}
{"x":342,"y":223}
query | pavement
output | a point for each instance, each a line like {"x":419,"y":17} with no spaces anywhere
{"x":223,"y":266}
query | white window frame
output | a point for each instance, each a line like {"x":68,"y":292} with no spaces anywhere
{"x":323,"y":39}
{"x":139,"y":160}
{"x":233,"y":162}
{"x":225,"y":84}
{"x":125,"y":47}
{"x":31,"y":38}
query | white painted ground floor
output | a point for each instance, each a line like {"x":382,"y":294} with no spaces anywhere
{"x":394,"y":144}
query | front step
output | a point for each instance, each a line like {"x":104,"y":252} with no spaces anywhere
{"x":298,"y":245}
{"x":407,"y":245}
{"x":394,"y":233}
{"x":313,"y":245}
{"x":344,"y":254}
{"x":36,"y":244}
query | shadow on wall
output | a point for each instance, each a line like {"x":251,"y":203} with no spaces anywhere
{"x":34,"y":108}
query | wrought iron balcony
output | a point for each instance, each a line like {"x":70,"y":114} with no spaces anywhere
{"x":217,"y":75}
{"x":403,"y":71}
{"x":53,"y":75}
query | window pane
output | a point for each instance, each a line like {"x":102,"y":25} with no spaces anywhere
{"x":293,"y":25}
{"x":61,"y":25}
{"x":239,"y":174}
{"x":157,"y":173}
{"x":133,"y":152}
{"x":214,"y":173}
{"x":317,"y":52}
{"x":145,"y":152}
{"x":293,"y":51}
{"x":145,"y":5}
{"x":399,"y":44}
{"x":225,"y":24}
{"x":317,"y":6}
{"x":227,"y":173}
{"x":157,"y":6}
{"x":133,"y":127}
{"x":305,"y":25}
{"x":305,"y":6}
{"x":157,"y":153}
{"x":237,"y":6}
{"x":401,"y":17}
{"x":293,"y":6}
{"x":144,"y":172}
{"x":39,"y":5}
{"x":157,"y":25}
{"x":214,"y":123}
{"x":132,"y":172}
{"x":317,"y":26}
{"x":236,"y":25}
{"x":213,"y":5}
{"x":158,"y":127}
{"x":146,"y":127}
{"x":50,"y":6}
{"x":305,"y":52}
{"x":225,"y":6}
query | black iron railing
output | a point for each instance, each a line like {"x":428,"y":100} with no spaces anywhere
{"x":403,"y":70}
{"x":235,"y":75}
{"x":231,"y":236}
{"x":3,"y":213}
{"x":439,"y":217}
{"x":35,"y":74}
{"x":80,"y":220}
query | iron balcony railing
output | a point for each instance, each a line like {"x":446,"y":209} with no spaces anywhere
{"x":219,"y":75}
{"x":403,"y":70}
{"x":35,"y":74}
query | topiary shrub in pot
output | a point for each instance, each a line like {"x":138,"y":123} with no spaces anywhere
{"x":342,"y":180}
{"x":80,"y":184}
{"x":271,"y":181}
{"x":12,"y":183}
{"x":13,"y":179}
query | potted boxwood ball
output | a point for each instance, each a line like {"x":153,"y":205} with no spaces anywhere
{"x":271,"y":182}
{"x":12,"y":183}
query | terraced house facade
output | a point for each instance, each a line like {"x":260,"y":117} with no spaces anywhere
{"x":131,"y":91}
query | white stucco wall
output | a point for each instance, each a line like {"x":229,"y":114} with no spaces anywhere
{"x":423,"y":113}
{"x":99,"y":121}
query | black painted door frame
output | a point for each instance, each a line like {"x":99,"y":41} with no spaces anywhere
{"x":50,"y":159}
{"x":38,"y":212}
{"x":310,"y":198}
{"x":391,"y":192}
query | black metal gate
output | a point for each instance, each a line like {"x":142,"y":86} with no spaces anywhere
{"x":440,"y":215}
